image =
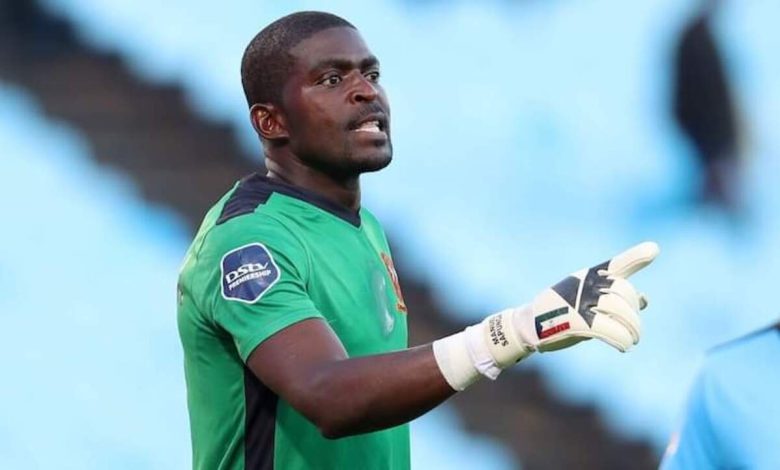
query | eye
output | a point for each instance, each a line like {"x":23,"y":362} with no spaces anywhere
{"x":331,"y":80}
{"x":373,"y":76}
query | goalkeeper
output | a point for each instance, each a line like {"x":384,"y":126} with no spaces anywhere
{"x":290,"y":313}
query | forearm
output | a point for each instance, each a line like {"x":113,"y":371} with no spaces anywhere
{"x":362,"y":394}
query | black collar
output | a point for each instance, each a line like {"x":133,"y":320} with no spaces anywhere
{"x":255,"y":189}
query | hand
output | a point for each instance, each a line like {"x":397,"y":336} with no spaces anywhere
{"x":591,"y":303}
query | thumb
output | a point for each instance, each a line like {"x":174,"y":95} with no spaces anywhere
{"x":632,"y":260}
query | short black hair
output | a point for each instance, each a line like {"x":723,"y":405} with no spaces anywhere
{"x":266,"y":62}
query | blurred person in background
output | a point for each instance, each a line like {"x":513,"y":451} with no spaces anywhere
{"x":704,"y":109}
{"x":289,"y":308}
{"x":732,"y":419}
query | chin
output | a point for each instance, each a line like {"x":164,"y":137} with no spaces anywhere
{"x":375,"y":163}
{"x":368,"y":161}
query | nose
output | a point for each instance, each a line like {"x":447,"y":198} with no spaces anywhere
{"x":364,"y":90}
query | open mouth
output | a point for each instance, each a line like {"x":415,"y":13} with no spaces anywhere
{"x":370,"y":126}
{"x":375,"y":123}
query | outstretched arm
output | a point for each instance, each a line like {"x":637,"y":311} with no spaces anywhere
{"x":307,"y":365}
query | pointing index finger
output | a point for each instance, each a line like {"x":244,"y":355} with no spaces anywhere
{"x":632,"y":260}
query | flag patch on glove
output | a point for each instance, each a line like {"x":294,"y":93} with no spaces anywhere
{"x":552,"y":322}
{"x":248,"y":272}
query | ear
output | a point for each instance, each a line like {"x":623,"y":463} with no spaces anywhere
{"x":268,"y":121}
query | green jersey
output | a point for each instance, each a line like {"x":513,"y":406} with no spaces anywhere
{"x":269,"y":255}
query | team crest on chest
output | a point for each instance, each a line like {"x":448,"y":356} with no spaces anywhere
{"x":400,"y":305}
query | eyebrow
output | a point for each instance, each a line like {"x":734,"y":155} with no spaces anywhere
{"x":345,"y":64}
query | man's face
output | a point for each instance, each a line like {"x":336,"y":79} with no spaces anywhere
{"x":337,"y":114}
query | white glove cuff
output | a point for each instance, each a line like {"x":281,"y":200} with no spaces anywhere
{"x":483,"y":349}
{"x":479,"y":352}
{"x":454,"y":361}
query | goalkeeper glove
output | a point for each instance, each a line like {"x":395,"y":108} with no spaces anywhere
{"x":591,"y":303}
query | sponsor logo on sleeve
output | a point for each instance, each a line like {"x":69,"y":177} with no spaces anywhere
{"x":248,"y":272}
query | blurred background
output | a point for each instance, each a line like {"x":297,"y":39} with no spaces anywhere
{"x":531,"y":138}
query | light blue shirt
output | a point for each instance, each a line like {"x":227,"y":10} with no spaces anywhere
{"x":732,"y":418}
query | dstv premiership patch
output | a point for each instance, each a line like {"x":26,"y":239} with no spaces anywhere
{"x":248,"y":272}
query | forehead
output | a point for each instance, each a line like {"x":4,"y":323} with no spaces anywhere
{"x":341,"y":43}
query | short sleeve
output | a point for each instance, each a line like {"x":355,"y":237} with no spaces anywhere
{"x":694,"y":446}
{"x":261,"y":286}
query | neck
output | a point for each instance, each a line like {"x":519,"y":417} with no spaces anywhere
{"x":290,"y":170}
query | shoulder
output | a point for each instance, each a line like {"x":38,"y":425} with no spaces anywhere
{"x":745,"y":344}
{"x":258,"y":229}
{"x":252,"y":192}
{"x":743,"y":357}
{"x":244,"y":227}
{"x":245,"y":256}
{"x":247,"y":215}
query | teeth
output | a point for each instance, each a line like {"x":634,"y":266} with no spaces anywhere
{"x":369,"y":126}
